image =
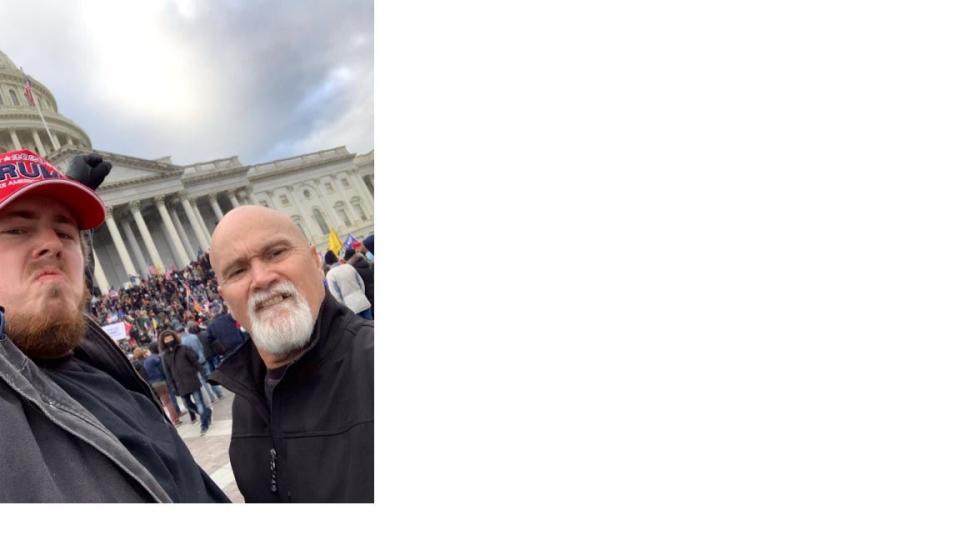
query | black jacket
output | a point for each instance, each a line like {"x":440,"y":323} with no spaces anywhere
{"x":53,"y":449}
{"x":184,"y":366}
{"x":208,"y":352}
{"x":223,"y":334}
{"x":141,"y":370}
{"x":318,"y":436}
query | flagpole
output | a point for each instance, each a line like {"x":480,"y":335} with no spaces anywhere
{"x":36,"y":103}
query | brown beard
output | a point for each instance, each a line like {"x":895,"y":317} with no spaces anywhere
{"x":52,"y":334}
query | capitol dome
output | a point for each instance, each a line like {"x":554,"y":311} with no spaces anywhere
{"x":20,"y":123}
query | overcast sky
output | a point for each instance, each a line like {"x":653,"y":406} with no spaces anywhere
{"x":200,"y":80}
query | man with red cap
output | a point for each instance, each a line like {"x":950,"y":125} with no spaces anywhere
{"x":77,"y":423}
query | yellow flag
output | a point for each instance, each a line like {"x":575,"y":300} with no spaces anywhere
{"x":334,"y":242}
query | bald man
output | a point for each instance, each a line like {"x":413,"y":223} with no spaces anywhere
{"x":303,"y":411}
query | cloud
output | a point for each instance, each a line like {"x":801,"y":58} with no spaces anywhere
{"x":204,"y":80}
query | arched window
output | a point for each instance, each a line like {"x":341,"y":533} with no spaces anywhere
{"x":284,"y":200}
{"x":296,"y":219}
{"x":368,"y":180}
{"x":345,"y":183}
{"x":342,"y":212}
{"x":318,"y":217}
{"x":355,"y":202}
{"x":13,"y":98}
{"x":306,"y":194}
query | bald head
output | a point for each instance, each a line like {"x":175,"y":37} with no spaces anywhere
{"x":240,"y":221}
{"x":270,"y":277}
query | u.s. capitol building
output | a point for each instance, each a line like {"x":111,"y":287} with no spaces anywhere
{"x":159,"y":214}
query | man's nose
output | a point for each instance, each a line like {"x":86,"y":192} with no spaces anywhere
{"x":49,"y":245}
{"x":262,"y":275}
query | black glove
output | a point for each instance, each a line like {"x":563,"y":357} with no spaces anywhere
{"x":89,"y":170}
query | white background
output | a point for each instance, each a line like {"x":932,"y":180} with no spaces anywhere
{"x":685,"y":270}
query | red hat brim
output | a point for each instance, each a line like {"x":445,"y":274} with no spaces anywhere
{"x":81,"y":201}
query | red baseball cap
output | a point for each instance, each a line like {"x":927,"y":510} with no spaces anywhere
{"x":23,"y":172}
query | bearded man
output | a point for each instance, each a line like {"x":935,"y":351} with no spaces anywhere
{"x":303,"y":410}
{"x":77,"y":424}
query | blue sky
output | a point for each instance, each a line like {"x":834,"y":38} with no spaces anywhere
{"x":201,"y":80}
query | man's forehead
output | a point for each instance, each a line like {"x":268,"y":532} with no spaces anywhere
{"x":38,"y":208}
{"x":252,"y":245}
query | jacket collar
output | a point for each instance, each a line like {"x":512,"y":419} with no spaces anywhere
{"x":243,"y":371}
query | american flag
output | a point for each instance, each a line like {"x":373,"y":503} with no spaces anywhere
{"x":27,"y":89}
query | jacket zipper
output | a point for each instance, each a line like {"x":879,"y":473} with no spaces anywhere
{"x":274,"y":462}
{"x":246,"y":392}
{"x":273,"y":471}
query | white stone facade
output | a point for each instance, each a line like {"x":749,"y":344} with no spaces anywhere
{"x":160,"y":215}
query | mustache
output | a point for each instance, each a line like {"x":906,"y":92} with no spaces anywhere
{"x":284,"y":289}
{"x":45,"y":264}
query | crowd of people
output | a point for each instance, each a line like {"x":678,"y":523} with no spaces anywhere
{"x":173,"y":300}
{"x":159,"y":302}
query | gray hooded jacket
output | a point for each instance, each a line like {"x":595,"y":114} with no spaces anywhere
{"x":51,"y":448}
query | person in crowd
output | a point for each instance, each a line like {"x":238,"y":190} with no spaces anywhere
{"x":184,"y":366}
{"x":346,"y":285}
{"x":155,"y":376}
{"x":138,"y":355}
{"x":78,"y":424}
{"x":303,"y":383}
{"x":190,"y":339}
{"x":171,"y":387}
{"x":329,"y":259}
{"x":368,"y":248}
{"x":365,"y":269}
{"x":207,"y":348}
{"x":222,"y":332}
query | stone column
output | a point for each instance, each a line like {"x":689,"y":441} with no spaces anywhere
{"x":147,"y":237}
{"x":233,"y":199}
{"x":36,"y":138}
{"x":331,"y":215}
{"x":200,"y":220}
{"x":197,"y":228}
{"x":118,"y":242}
{"x":98,"y":274}
{"x":16,"y":140}
{"x":216,"y":207}
{"x":55,"y":140}
{"x":182,"y":231}
{"x":307,"y":219}
{"x":132,"y":242}
{"x":246,"y":196}
{"x":172,"y":237}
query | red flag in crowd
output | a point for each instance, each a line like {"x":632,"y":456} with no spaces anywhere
{"x":352,"y":242}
